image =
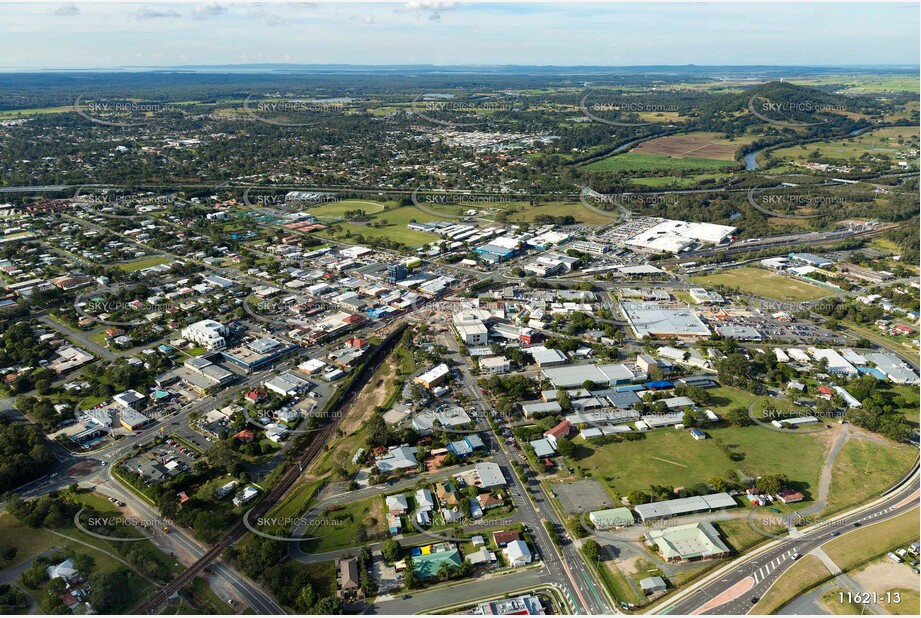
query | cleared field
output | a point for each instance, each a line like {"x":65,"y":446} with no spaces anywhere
{"x":336,"y":210}
{"x":141,"y":264}
{"x":659,"y":182}
{"x":831,"y":601}
{"x":672,"y":457}
{"x":864,"y":469}
{"x":702,"y":145}
{"x":767,"y":452}
{"x":558,"y":209}
{"x":389,"y":223}
{"x":636,"y":162}
{"x":665,"y":457}
{"x":909,"y":602}
{"x":884,"y":576}
{"x":886,"y":141}
{"x":350,"y":525}
{"x":807,"y":572}
{"x":853,"y":548}
{"x":12,"y":114}
{"x":764,"y":283}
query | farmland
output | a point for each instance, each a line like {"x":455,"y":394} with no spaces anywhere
{"x":701,"y":145}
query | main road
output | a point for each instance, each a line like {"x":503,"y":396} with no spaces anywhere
{"x":734,"y":589}
{"x":565,"y":566}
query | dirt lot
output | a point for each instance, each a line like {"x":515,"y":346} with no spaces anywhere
{"x":374,"y":393}
{"x":698,"y":145}
{"x":886,"y":575}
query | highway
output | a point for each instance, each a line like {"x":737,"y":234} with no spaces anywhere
{"x":732,"y":589}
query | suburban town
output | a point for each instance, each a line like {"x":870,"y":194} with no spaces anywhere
{"x":473,"y":345}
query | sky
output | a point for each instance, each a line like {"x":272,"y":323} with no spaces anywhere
{"x":94,"y":35}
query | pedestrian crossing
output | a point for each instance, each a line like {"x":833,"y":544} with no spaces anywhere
{"x":770,"y":567}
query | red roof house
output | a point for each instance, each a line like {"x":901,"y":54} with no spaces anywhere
{"x":256,"y":395}
{"x":245,"y":436}
{"x":560,"y":431}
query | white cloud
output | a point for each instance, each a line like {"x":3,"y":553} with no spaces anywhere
{"x":67,"y":10}
{"x":146,"y":12}
{"x":428,"y":10}
{"x":208,"y":10}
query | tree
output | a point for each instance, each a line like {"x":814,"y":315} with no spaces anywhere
{"x":108,"y":591}
{"x":738,"y":416}
{"x":637,"y":497}
{"x":772,"y":483}
{"x":84,"y":563}
{"x":410,"y":579}
{"x":718,"y":484}
{"x":329,"y":606}
{"x":565,"y":447}
{"x":591,"y":550}
{"x":391,"y":550}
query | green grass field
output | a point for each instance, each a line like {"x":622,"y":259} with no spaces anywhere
{"x":343,"y":527}
{"x":672,"y":457}
{"x":766,"y":452}
{"x":141,"y":264}
{"x":864,"y":469}
{"x":889,"y":141}
{"x":873,"y":540}
{"x":632,"y":162}
{"x":392,"y":224}
{"x":764,"y":283}
{"x":332,"y":211}
{"x":557,"y":209}
{"x":678,"y":182}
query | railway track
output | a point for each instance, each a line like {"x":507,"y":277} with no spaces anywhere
{"x":281,"y":486}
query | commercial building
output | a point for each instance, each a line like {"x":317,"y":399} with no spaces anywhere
{"x":496,"y":364}
{"x":131,"y":420}
{"x":517,"y":553}
{"x":549,"y":407}
{"x":544,"y":356}
{"x":685,"y":506}
{"x":489,"y":475}
{"x":207,"y":333}
{"x":287,"y":384}
{"x":894,"y":368}
{"x":703,"y":297}
{"x":652,"y":585}
{"x":611,"y":518}
{"x":699,"y":541}
{"x":398,"y":458}
{"x":577,"y":375}
{"x":525,"y":605}
{"x":739,"y":332}
{"x":434,"y":376}
{"x":257,"y":353}
{"x":472,"y":333}
{"x":671,"y":236}
{"x":836,"y":363}
{"x":812,"y":260}
{"x":654,"y":320}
